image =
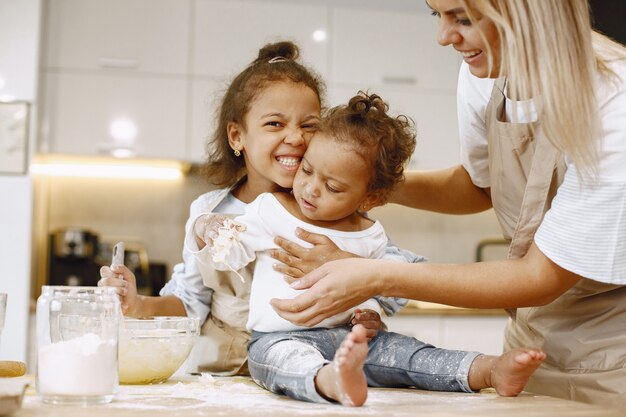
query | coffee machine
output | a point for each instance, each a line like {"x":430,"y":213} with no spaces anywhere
{"x":72,"y":258}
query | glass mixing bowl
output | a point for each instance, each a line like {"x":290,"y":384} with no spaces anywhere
{"x":151,"y":350}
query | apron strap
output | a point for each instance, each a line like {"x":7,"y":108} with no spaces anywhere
{"x":540,"y":176}
{"x":536,"y":197}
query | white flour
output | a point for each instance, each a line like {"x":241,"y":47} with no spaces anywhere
{"x":84,"y":366}
{"x":229,"y":393}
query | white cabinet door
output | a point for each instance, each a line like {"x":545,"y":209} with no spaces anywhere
{"x":144,"y":35}
{"x":424,"y":328}
{"x":229,"y":33}
{"x":483,"y":334}
{"x":205,"y":101}
{"x":89,"y":115}
{"x":19,"y":49}
{"x":434,"y":114}
{"x":373,"y":47}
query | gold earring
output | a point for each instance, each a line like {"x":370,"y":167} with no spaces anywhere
{"x":237,"y":152}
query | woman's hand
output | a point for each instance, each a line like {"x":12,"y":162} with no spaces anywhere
{"x":125,"y":284}
{"x":334,"y":288}
{"x":368,"y":319}
{"x":298,"y":261}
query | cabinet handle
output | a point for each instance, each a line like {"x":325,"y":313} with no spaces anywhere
{"x":103,"y":148}
{"x":107,"y":147}
{"x":118,"y":63}
{"x":483,"y":243}
{"x":390,"y":79}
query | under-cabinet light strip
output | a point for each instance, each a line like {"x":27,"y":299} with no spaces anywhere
{"x":107,"y":171}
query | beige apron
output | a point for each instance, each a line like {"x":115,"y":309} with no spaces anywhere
{"x":222,"y":345}
{"x":583,"y":331}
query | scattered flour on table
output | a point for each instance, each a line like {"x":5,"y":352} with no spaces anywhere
{"x":219,"y":392}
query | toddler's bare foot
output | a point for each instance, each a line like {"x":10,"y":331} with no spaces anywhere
{"x":344,"y":380}
{"x":511,"y":371}
{"x":507,"y":373}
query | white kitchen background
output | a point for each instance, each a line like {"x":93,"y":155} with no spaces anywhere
{"x":142,"y":78}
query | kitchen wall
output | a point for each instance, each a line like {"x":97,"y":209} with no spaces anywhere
{"x":149,"y":212}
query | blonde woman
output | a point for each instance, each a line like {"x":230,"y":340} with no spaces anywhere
{"x":542,"y":115}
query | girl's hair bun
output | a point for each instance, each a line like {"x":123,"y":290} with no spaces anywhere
{"x":287,"y":50}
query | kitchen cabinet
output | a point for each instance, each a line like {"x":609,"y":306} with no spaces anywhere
{"x":17,"y":37}
{"x":472,"y":331}
{"x":146,"y":36}
{"x":374,"y":47}
{"x":205,"y":101}
{"x":161,"y":66}
{"x":228,"y":34}
{"x":96,"y":114}
{"x":115,"y":78}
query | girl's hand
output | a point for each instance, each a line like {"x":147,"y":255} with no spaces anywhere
{"x":370,"y":320}
{"x":206,"y":228}
{"x":333,"y":288}
{"x":298,"y":261}
{"x":120,"y":277}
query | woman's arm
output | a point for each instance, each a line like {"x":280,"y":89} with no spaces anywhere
{"x":448,"y":191}
{"x":336,"y":286}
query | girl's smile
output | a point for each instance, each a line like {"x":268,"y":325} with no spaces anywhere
{"x":290,"y":163}
{"x":274,"y":135}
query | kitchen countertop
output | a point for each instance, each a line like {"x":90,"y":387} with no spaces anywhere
{"x":418,"y":308}
{"x":238,"y":396}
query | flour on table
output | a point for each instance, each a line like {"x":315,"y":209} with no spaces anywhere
{"x":214,"y":395}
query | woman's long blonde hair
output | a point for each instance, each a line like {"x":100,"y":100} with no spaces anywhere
{"x":549,"y":51}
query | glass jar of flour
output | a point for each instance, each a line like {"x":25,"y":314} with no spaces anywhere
{"x":77,"y":335}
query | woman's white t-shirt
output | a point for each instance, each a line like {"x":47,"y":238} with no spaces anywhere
{"x":585,"y":229}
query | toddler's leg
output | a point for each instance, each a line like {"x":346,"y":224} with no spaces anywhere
{"x":287,"y":363}
{"x":396,"y":360}
{"x":343,"y":380}
{"x":507,"y":373}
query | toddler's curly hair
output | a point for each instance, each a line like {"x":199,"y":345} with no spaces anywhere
{"x":385,"y":141}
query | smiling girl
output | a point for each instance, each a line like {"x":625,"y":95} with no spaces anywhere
{"x":268,"y":113}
